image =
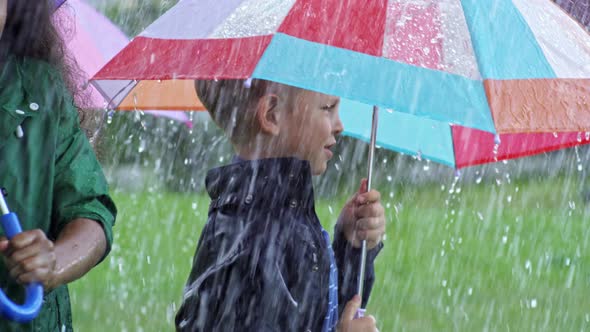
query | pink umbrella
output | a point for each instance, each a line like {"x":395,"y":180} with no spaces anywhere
{"x":92,"y":40}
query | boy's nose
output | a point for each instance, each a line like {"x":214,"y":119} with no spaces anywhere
{"x":338,"y":127}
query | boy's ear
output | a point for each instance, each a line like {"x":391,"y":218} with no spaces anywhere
{"x":268,"y":115}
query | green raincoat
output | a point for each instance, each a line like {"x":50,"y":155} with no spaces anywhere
{"x":51,"y":172}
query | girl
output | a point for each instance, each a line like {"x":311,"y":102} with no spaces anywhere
{"x":54,"y":182}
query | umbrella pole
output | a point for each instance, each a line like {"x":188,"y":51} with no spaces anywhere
{"x":369,"y":179}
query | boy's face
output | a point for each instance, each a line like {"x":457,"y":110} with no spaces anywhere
{"x":309,"y":130}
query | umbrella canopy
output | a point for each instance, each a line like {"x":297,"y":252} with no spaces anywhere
{"x":501,"y":66}
{"x":92,"y":39}
{"x":455,"y":145}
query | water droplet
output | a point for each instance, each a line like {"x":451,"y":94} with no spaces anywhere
{"x":572,"y":205}
{"x":497,"y":139}
{"x":480,"y":216}
{"x":533,"y":303}
{"x":478,"y":180}
{"x":509,"y":198}
{"x":110,"y":117}
{"x":470,"y":291}
{"x":142,"y":146}
{"x":330,"y":209}
{"x":444,"y":283}
{"x":504,"y":239}
{"x":389,"y":178}
{"x":555,"y":134}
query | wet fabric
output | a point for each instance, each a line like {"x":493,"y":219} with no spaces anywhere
{"x":51,"y":172}
{"x":262,"y":262}
{"x":332,"y":315}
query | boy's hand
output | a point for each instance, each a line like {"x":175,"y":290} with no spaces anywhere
{"x":363,"y":218}
{"x":349,"y":324}
{"x":30,"y":257}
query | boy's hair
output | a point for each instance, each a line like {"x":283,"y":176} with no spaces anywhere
{"x":230,"y":104}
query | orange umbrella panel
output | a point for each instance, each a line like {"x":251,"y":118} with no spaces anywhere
{"x":171,"y":95}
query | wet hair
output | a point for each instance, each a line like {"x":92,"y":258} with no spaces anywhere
{"x":30,"y":32}
{"x":231,"y":104}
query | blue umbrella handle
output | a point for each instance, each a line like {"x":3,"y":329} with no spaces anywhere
{"x":34,"y":292}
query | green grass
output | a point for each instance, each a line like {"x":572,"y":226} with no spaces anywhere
{"x":513,"y":257}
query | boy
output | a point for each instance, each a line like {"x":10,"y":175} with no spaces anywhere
{"x":264,"y":262}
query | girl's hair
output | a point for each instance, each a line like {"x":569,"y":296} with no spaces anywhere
{"x":30,"y":32}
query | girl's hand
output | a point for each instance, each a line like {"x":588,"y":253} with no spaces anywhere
{"x":30,"y":257}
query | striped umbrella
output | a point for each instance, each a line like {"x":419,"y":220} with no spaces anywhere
{"x":460,"y":75}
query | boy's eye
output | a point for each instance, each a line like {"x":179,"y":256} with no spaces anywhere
{"x":328,"y":107}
